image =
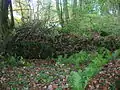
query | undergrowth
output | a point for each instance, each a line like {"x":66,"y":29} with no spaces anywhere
{"x":78,"y":79}
{"x":13,"y":61}
{"x":75,"y":59}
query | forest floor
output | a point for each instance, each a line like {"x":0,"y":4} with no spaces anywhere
{"x":107,"y":79}
{"x":41,"y":75}
{"x":46,"y":75}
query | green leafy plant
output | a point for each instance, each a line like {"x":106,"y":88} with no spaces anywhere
{"x":85,"y":24}
{"x":75,"y":80}
{"x":78,"y":80}
{"x":107,"y":54}
{"x":76,"y":58}
{"x":14,"y":61}
{"x":43,"y":77}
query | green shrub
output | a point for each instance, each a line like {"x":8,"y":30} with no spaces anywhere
{"x":78,"y":80}
{"x":13,"y":61}
{"x":76,"y":59}
{"x":85,"y":24}
{"x":107,"y":54}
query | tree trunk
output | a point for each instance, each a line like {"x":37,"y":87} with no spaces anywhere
{"x":65,"y":9}
{"x":118,"y":9}
{"x":12,"y":17}
{"x":4,"y":27}
{"x":4,"y":14}
{"x":119,"y":12}
{"x":0,"y":19}
{"x":59,"y":12}
{"x":47,"y":14}
{"x":3,"y":23}
{"x":74,"y":8}
{"x":38,"y":7}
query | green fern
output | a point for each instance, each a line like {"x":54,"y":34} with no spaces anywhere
{"x":78,"y":80}
{"x":75,"y":80}
{"x":76,"y":58}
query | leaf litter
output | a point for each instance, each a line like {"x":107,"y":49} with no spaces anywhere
{"x":44,"y":75}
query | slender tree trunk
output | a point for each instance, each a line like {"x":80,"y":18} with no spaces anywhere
{"x":0,"y":19}
{"x":12,"y":17}
{"x":119,"y":12}
{"x":65,"y":9}
{"x":38,"y":7}
{"x":59,"y":12}
{"x":118,"y":9}
{"x":0,"y":26}
{"x":74,"y":8}
{"x":0,"y":12}
{"x":48,"y":12}
{"x":30,"y":12}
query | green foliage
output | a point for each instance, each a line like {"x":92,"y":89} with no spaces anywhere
{"x":14,"y":84}
{"x":76,"y":58}
{"x":39,"y":39}
{"x":113,"y":87}
{"x":111,"y":42}
{"x":79,"y":26}
{"x":43,"y":78}
{"x":75,"y":80}
{"x":79,"y":79}
{"x":13,"y":61}
{"x":59,"y":88}
{"x":84,"y":25}
{"x":84,"y":57}
{"x":107,"y":54}
{"x":116,"y":54}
